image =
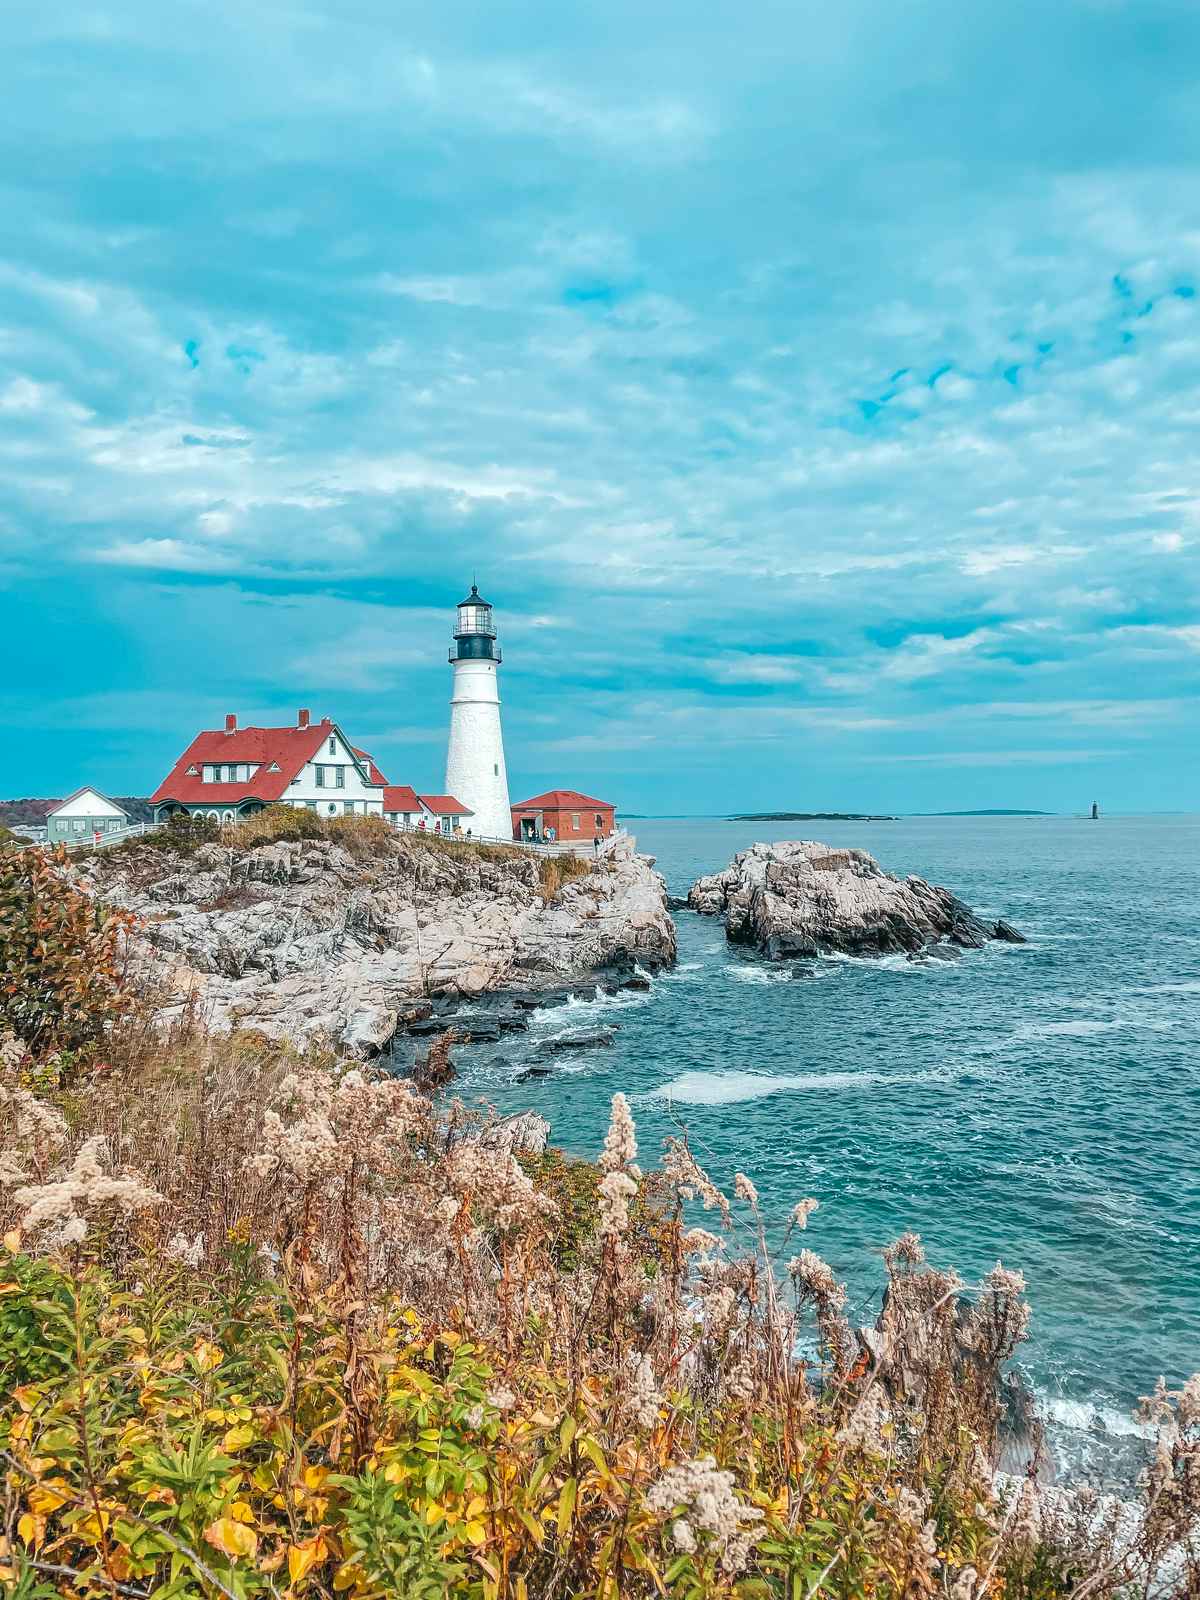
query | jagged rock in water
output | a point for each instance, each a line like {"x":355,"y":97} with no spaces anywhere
{"x":801,"y":898}
{"x":299,"y":938}
{"x":579,"y":1041}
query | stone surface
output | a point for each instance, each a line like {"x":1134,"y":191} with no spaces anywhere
{"x":300,"y":938}
{"x":578,"y":1041}
{"x":524,"y":1131}
{"x":801,"y":898}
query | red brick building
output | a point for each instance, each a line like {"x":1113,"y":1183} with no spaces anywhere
{"x":563,"y":815}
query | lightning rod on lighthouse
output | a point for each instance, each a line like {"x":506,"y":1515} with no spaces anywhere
{"x":475,"y":770}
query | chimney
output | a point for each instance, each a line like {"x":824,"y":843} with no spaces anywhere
{"x":231,"y":723}
{"x":304,"y":716}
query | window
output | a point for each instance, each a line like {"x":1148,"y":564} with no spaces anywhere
{"x":212,"y":774}
{"x":496,"y":768}
{"x":320,"y":777}
{"x":332,"y":808}
{"x":575,"y":820}
{"x":599,"y":820}
{"x":332,"y":746}
{"x":339,"y":781}
{"x":77,"y":824}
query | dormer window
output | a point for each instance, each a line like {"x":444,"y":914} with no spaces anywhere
{"x":332,"y":745}
{"x":191,"y":771}
{"x":274,"y":767}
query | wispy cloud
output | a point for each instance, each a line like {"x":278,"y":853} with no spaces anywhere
{"x":794,"y":453}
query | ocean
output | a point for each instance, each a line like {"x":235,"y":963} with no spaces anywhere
{"x":1033,"y":1103}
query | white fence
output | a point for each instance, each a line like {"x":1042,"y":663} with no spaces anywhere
{"x":537,"y":847}
{"x":91,"y":840}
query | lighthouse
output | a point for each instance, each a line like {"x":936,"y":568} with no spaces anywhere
{"x":475,"y":771}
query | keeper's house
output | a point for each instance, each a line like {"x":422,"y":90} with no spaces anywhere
{"x":562,"y":815}
{"x":84,"y":817}
{"x":233,"y":772}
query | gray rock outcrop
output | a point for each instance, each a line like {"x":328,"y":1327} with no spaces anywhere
{"x":298,"y":938}
{"x":523,"y":1132}
{"x":801,"y":898}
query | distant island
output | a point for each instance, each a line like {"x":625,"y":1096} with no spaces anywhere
{"x":995,"y":811}
{"x":808,"y":816}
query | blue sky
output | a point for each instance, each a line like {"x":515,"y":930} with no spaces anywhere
{"x":814,"y":390}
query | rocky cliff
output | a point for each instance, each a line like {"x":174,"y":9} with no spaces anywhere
{"x":299,"y":936}
{"x":801,"y":898}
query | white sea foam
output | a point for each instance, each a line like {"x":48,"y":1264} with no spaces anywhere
{"x":894,"y":962}
{"x":1084,"y":1028}
{"x":685,"y":972}
{"x":578,"y":1009}
{"x":1089,"y":1417}
{"x":728,"y":1088}
{"x":745,"y":973}
{"x":1071,"y":1030}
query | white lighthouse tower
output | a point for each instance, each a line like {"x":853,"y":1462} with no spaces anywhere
{"x":475,"y":771}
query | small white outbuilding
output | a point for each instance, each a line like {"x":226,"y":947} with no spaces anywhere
{"x":82,"y":816}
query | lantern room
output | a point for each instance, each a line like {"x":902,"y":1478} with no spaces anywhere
{"x":475,"y":634}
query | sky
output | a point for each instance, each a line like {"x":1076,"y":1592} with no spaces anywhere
{"x":814,"y":391}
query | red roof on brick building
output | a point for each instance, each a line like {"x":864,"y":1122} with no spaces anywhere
{"x":563,"y":800}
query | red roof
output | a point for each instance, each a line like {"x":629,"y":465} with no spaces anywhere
{"x":563,"y":800}
{"x":445,"y":805}
{"x":288,"y":749}
{"x":399,"y":797}
{"x":373,"y":773}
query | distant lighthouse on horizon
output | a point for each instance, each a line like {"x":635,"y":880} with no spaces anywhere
{"x":475,"y":770}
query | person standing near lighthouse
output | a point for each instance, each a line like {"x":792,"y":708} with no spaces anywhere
{"x":475,"y":770}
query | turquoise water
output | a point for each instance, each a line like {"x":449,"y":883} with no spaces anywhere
{"x":1035,"y":1103}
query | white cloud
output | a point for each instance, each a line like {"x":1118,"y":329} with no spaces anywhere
{"x":168,"y":555}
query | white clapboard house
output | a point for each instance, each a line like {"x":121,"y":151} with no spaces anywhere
{"x":84,"y":817}
{"x":233,"y":772}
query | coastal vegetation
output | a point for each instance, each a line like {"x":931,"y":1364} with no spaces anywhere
{"x":363,"y":837}
{"x":273,"y":1323}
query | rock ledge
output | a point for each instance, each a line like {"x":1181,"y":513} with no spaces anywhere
{"x":299,"y":938}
